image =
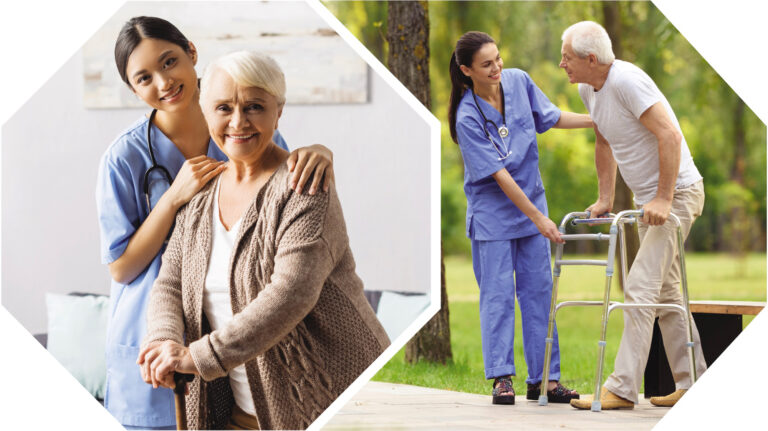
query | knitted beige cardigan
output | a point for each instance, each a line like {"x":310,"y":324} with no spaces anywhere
{"x":301,"y":323}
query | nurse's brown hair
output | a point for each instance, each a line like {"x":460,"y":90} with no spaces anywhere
{"x":139,"y":28}
{"x":469,"y":43}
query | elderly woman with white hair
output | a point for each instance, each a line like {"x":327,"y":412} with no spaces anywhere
{"x":257,"y":295}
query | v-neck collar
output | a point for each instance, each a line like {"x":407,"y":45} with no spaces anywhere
{"x":495,"y":113}
{"x":169,"y":155}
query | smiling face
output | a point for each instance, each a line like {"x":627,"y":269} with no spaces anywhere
{"x":578,"y":69}
{"x":162,"y":74}
{"x":486,"y":66}
{"x":241,"y":120}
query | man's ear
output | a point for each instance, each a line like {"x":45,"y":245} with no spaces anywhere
{"x":593,"y":60}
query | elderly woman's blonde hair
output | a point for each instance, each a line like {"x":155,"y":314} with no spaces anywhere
{"x":249,"y":69}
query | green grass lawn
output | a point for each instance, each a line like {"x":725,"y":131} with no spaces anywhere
{"x":711,"y":276}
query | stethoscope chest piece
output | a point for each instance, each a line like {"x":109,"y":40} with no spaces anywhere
{"x":503,"y":130}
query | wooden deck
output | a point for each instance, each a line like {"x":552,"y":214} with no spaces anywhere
{"x":388,"y":406}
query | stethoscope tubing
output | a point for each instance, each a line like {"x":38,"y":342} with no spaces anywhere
{"x":502,"y":156}
{"x":155,"y":165}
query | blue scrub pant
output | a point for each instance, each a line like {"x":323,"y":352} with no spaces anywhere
{"x":495,"y":263}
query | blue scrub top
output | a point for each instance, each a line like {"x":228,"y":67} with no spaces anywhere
{"x":122,"y":208}
{"x":491,"y":215}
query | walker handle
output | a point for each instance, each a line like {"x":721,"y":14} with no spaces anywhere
{"x":605,"y":218}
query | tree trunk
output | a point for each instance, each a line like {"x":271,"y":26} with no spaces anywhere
{"x":622,"y":193}
{"x":740,"y":219}
{"x":433,"y":342}
{"x":739,"y":143}
{"x":408,"y":38}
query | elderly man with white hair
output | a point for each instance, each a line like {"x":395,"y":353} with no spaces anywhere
{"x":637,"y":130}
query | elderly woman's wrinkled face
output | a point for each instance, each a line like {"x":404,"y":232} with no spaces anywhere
{"x":241,"y":120}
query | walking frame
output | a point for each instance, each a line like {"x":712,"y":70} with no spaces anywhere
{"x":616,"y":235}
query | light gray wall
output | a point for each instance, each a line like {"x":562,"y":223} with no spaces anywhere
{"x":50,"y":153}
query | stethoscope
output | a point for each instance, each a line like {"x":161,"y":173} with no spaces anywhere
{"x":155,"y":166}
{"x":503,"y":131}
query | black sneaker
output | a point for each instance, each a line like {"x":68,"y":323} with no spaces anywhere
{"x":560,"y":394}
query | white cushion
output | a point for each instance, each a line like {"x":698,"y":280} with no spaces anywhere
{"x":77,"y":333}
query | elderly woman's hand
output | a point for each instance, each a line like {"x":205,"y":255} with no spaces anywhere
{"x":160,"y":359}
{"x":303,"y":161}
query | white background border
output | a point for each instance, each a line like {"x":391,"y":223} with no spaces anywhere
{"x":36,"y":38}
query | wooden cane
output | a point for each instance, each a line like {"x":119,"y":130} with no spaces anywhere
{"x":179,"y":392}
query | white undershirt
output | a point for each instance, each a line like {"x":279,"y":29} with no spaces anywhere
{"x":217,"y":304}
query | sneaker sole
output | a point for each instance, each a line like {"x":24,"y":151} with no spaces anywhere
{"x":504,"y":399}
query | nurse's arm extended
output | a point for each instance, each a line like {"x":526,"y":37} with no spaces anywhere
{"x":570,"y":120}
{"x":546,"y":226}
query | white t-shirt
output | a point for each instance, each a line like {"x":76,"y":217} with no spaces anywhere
{"x":217,"y":303}
{"x":616,"y":109}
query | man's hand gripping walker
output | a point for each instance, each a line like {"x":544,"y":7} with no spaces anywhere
{"x":615,"y":235}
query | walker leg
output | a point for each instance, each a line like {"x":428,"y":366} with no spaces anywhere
{"x":601,"y":346}
{"x":686,"y":303}
{"x":623,"y":254}
{"x":550,"y":330}
{"x":596,"y":406}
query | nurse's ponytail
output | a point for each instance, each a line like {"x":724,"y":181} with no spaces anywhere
{"x":466,"y":47}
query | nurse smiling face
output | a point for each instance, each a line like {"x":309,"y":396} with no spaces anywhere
{"x":162,"y":74}
{"x":486,"y":66}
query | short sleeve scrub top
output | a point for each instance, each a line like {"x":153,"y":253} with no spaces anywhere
{"x":509,"y":255}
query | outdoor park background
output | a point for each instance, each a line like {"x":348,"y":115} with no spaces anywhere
{"x":726,"y":247}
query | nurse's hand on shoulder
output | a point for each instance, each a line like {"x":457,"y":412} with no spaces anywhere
{"x":548,"y":228}
{"x":304,"y":161}
{"x":160,"y":359}
{"x":193,"y":175}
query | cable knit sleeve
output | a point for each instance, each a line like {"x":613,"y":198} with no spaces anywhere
{"x":165,"y":311}
{"x":310,"y":236}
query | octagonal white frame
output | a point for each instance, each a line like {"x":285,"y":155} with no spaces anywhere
{"x":30,"y":378}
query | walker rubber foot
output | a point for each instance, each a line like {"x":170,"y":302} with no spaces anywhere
{"x":596,"y":406}
{"x":542,"y":400}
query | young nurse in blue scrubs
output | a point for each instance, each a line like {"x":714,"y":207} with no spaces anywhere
{"x":157,"y":63}
{"x":494,"y":116}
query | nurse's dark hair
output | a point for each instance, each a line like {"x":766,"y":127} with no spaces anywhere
{"x":469,"y":43}
{"x":139,"y":28}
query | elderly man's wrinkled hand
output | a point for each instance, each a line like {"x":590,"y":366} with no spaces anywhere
{"x":656,"y":212}
{"x":598,"y":208}
{"x":160,"y":359}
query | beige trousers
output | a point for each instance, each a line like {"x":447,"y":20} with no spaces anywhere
{"x":241,"y":420}
{"x":655,"y":278}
